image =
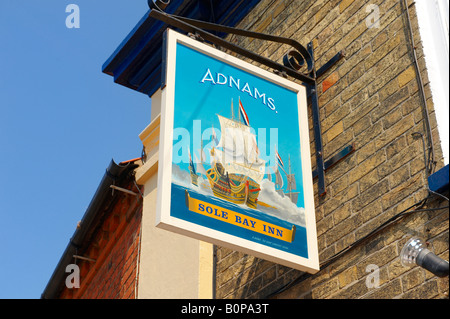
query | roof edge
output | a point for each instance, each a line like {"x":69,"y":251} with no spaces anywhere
{"x":113,"y":174}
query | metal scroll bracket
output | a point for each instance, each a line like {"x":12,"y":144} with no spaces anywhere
{"x":321,"y":164}
{"x":297,"y":63}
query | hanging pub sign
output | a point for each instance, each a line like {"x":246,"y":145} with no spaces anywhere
{"x":234,"y":159}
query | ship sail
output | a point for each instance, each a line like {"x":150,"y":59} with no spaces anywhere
{"x":291,"y":185}
{"x":293,"y":196}
{"x":240,"y":152}
{"x":291,"y":181}
{"x":191,"y":164}
{"x":278,"y":179}
{"x":280,"y":192}
{"x":194,"y":176}
{"x":269,"y":174}
{"x":255,"y":171}
{"x":200,"y":169}
{"x":236,"y":168}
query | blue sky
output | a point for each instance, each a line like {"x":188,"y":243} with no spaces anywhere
{"x":61,"y":122}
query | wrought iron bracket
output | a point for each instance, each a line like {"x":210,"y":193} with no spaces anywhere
{"x":297,"y":59}
{"x":311,"y":91}
{"x":321,"y":164}
{"x":336,"y":158}
{"x":298,"y":63}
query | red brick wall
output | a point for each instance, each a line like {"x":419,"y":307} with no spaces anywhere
{"x":115,"y":248}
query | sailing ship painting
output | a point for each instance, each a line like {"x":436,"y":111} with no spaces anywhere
{"x":237,"y":168}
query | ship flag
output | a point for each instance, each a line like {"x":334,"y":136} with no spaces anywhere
{"x":279,"y":158}
{"x":243,"y":113}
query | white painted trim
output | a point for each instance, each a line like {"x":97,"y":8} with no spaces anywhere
{"x":163,"y":218}
{"x":434,"y":32}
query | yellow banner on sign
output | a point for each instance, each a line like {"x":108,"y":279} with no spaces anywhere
{"x":238,"y":219}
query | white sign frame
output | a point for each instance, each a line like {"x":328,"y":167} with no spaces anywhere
{"x":165,"y":220}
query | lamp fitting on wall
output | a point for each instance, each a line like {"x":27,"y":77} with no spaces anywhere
{"x":414,"y":253}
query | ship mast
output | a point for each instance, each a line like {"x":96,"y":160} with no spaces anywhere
{"x":232,"y":111}
{"x":289,"y":179}
{"x":201,"y":152}
{"x":291,"y":183}
{"x":239,"y":113}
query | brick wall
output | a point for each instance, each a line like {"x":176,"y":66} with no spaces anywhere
{"x":115,"y":248}
{"x":371,"y":99}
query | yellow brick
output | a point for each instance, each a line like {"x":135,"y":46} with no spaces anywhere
{"x":278,"y":9}
{"x":406,"y":76}
{"x":315,"y":42}
{"x":322,"y":12}
{"x":347,"y":276}
{"x":334,"y":131}
{"x":264,"y":24}
{"x":344,"y":4}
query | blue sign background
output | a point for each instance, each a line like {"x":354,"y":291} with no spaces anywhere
{"x":203,"y":89}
